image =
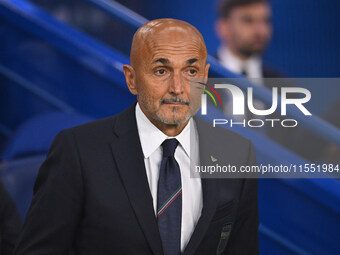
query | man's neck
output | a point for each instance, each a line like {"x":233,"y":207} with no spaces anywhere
{"x":239,"y":55}
{"x":167,"y":129}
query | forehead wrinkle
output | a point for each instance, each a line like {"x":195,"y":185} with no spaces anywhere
{"x":170,"y":51}
{"x":179,"y":43}
{"x":188,"y":54}
{"x":168,"y":48}
{"x":179,"y":39}
{"x":167,"y":52}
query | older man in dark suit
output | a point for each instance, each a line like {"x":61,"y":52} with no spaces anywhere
{"x":122,"y":185}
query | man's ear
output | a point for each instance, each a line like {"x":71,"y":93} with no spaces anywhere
{"x":206,"y":72}
{"x":130,"y":77}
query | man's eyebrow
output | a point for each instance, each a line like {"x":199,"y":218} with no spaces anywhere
{"x":161,"y":60}
{"x":192,"y":60}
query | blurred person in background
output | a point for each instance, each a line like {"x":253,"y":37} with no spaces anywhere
{"x":10,"y":223}
{"x":244,"y":28}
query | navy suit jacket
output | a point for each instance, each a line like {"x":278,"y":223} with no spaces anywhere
{"x":92,"y":196}
{"x":10,"y":223}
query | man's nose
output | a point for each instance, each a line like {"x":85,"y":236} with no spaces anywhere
{"x":176,"y":84}
{"x":261,"y":27}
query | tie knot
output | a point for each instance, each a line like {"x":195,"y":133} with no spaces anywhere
{"x":169,"y":147}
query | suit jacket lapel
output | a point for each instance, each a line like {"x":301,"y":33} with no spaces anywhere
{"x":209,"y":188}
{"x":128,"y":156}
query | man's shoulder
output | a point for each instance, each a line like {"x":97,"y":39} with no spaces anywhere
{"x":270,"y":72}
{"x":101,"y":128}
{"x":220,"y":134}
{"x":96,"y":125}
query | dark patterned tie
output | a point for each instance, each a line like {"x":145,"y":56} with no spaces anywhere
{"x":169,"y":200}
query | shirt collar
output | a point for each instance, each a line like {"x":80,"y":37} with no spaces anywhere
{"x":252,"y":65}
{"x":151,"y":137}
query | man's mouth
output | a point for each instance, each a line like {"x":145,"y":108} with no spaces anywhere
{"x":175,"y":102}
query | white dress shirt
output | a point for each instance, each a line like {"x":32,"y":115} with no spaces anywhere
{"x":151,"y":140}
{"x":252,"y":66}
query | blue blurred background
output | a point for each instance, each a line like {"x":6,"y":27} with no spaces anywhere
{"x":61,"y":65}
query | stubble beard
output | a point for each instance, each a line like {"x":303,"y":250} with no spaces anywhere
{"x":161,"y":117}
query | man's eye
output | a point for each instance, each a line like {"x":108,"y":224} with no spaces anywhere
{"x":160,"y":71}
{"x":192,"y":71}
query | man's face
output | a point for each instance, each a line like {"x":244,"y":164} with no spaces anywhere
{"x":162,"y":78}
{"x":248,"y":29}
